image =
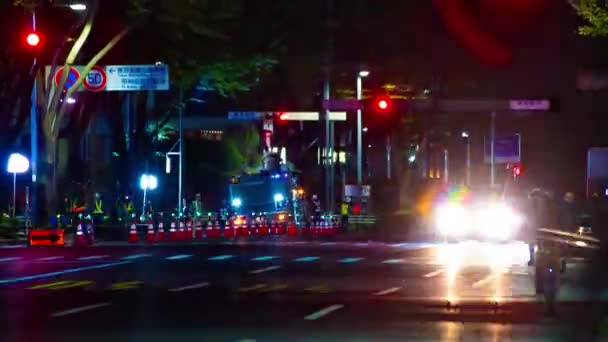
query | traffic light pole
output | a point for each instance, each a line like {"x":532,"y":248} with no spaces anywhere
{"x":492,"y":154}
{"x":34,"y":131}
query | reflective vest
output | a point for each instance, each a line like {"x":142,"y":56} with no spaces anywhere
{"x":344,"y":209}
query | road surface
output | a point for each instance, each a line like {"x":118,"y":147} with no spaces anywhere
{"x":271,"y":291}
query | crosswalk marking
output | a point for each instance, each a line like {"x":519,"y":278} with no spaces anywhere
{"x":92,"y":257}
{"x":10,"y":259}
{"x":51,"y":258}
{"x":265,"y":269}
{"x":433,"y":274}
{"x":349,"y":260}
{"x":323,"y":312}
{"x":387,"y":291}
{"x":189,"y":287}
{"x":179,"y":256}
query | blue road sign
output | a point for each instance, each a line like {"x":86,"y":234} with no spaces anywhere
{"x":245,"y":116}
{"x":507,"y":149}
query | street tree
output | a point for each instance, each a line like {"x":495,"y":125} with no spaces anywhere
{"x":595,"y":15}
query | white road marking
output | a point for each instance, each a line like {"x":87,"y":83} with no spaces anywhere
{"x":323,"y":312}
{"x":433,"y":274}
{"x":93,"y":257}
{"x":265,"y":269}
{"x":136,"y":256}
{"x":10,"y":259}
{"x":393,"y":261}
{"x":51,"y":258}
{"x":79,"y":309}
{"x":387,"y":291}
{"x":189,"y":287}
{"x":179,"y":257}
{"x":483,"y":281}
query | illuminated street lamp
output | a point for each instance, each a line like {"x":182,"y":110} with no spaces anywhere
{"x":360,"y":76}
{"x":78,"y":6}
{"x":17,"y":163}
{"x":147,"y":182}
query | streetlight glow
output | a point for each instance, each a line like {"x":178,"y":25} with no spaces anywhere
{"x":464,"y":134}
{"x":78,"y":7}
{"x":148,"y":182}
{"x":17,"y":163}
{"x":364,"y":73}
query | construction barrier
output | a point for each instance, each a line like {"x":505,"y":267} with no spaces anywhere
{"x":46,"y":237}
{"x":79,"y":238}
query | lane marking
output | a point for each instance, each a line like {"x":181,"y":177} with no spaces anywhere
{"x":127,"y":285}
{"x":220,"y":257}
{"x":66,"y":271}
{"x":387,"y":291}
{"x":323,"y":312}
{"x":349,"y":260}
{"x":189,"y":287}
{"x":484,"y":281}
{"x":252,"y":288}
{"x":393,"y":261}
{"x":306,"y":259}
{"x":323,"y":288}
{"x":73,"y":284}
{"x":264,"y":258}
{"x":10,"y":259}
{"x":179,"y":257}
{"x":275,"y":287}
{"x":265,"y":269}
{"x":92,"y":257}
{"x":79,"y":309}
{"x":44,"y":286}
{"x":433,"y":274}
{"x":51,"y":258}
{"x":136,"y":256}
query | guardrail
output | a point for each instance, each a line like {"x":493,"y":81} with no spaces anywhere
{"x":362,"y":219}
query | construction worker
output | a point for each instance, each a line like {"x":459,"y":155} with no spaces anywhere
{"x":197,"y":206}
{"x":128,"y":206}
{"x":344,"y":212}
{"x":97,"y":214}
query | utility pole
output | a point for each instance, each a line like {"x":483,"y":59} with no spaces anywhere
{"x":180,"y":111}
{"x":329,"y":185}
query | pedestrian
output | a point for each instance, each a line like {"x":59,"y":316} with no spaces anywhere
{"x":344,"y":212}
{"x":316,"y":202}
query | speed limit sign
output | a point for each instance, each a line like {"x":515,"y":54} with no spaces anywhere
{"x":96,"y":79}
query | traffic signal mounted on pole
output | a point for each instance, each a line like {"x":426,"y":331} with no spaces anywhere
{"x":32,"y":39}
{"x":517,"y":171}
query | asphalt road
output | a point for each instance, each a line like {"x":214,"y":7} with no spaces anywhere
{"x":271,"y":291}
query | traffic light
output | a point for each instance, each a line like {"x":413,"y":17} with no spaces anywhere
{"x":283,"y":117}
{"x":516,"y":171}
{"x":383,"y":104}
{"x":32,"y":39}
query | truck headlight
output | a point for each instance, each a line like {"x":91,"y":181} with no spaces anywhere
{"x":498,"y":221}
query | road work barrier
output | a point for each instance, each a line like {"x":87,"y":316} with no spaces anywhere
{"x":46,"y":237}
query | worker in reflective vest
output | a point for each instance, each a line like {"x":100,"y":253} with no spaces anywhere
{"x":98,"y":212}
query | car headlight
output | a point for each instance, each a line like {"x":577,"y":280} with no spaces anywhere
{"x":498,"y":221}
{"x":452,"y":219}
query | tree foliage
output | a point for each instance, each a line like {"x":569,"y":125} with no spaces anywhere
{"x":595,"y":15}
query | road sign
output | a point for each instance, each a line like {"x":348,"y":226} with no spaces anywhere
{"x":507,"y":149}
{"x":96,"y":79}
{"x":116,"y":77}
{"x":342,"y":104}
{"x":245,"y":116}
{"x":541,"y":105}
{"x":137,"y":77}
{"x":73,"y":76}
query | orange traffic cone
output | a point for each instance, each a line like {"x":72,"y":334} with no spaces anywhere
{"x":263,"y":228}
{"x":209,"y":228}
{"x":217,"y":229}
{"x":189,"y":232}
{"x":90,"y":236}
{"x":160,"y":235}
{"x":229,"y":229}
{"x":243,"y":229}
{"x":198,"y":229}
{"x":133,"y":236}
{"x":181,"y":233}
{"x":292,"y":230}
{"x":173,"y":231}
{"x":281,"y":228}
{"x":150,"y":235}
{"x":79,"y":239}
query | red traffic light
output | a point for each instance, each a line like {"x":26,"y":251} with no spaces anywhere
{"x":32,"y":39}
{"x":383,"y":104}
{"x":517,"y":170}
{"x":283,"y":116}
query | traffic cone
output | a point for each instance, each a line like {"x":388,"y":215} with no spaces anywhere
{"x":229,"y":229}
{"x":79,"y":239}
{"x":189,"y":232}
{"x":90,"y":236}
{"x":160,"y":235}
{"x":292,"y":230}
{"x":181,"y":233}
{"x":173,"y":231}
{"x":150,"y":234}
{"x":209,"y":228}
{"x":273,"y":227}
{"x":243,"y":229}
{"x":263,"y":229}
{"x":133,"y":236}
{"x":198,"y":229}
{"x":217,"y":229}
{"x":281,"y":228}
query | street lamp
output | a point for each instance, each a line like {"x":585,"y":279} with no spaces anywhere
{"x":17,"y":163}
{"x":147,"y":182}
{"x":466,"y":136}
{"x":78,"y":6}
{"x":360,"y":76}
